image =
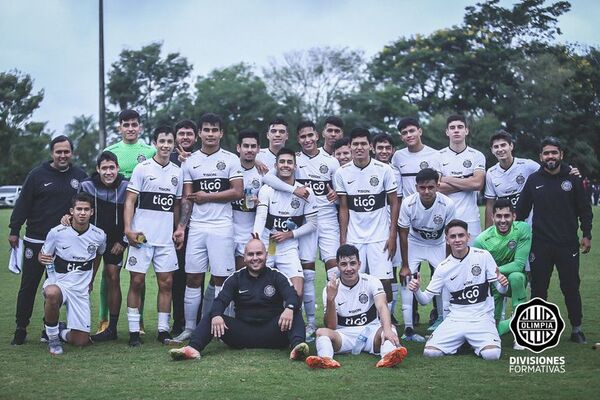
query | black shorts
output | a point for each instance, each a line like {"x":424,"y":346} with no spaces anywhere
{"x":110,"y":258}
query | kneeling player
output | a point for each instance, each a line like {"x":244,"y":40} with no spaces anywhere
{"x":75,"y":251}
{"x":352,"y":304}
{"x":466,"y":274}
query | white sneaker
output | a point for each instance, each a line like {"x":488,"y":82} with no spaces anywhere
{"x":183,"y":336}
{"x":518,"y":347}
{"x":310,"y":333}
{"x":55,"y":347}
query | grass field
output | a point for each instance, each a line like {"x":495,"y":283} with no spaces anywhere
{"x":116,"y":371}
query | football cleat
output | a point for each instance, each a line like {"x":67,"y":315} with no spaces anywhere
{"x":392,"y":358}
{"x":104,"y":336}
{"x":184,"y":353}
{"x":411,"y":336}
{"x":517,"y":346}
{"x":310,"y":333}
{"x":164,"y":337}
{"x":142,"y":329}
{"x":134,"y":339}
{"x":19,"y":337}
{"x":102,"y":326}
{"x":435,"y":324}
{"x":55,"y":347}
{"x":322,"y":362}
{"x":183,"y":336}
{"x":578,"y":337}
{"x":299,"y":352}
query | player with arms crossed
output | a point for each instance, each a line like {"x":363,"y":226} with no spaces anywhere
{"x":423,"y":217}
{"x":355,"y":305}
{"x":75,"y":251}
{"x":466,"y":274}
{"x":156,"y":188}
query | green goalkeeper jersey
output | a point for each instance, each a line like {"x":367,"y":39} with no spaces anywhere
{"x":510,"y":251}
{"x":130,"y":155}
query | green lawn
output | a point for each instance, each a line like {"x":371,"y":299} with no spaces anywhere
{"x":116,"y":371}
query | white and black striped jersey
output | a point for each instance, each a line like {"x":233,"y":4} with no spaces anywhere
{"x":267,"y":157}
{"x":463,"y":165}
{"x":211,"y":173}
{"x":317,"y":173}
{"x":355,"y":306}
{"x":74,"y":253}
{"x":426,"y":225}
{"x":243,"y":216}
{"x":409,"y":164}
{"x":468,"y":281}
{"x":283,"y":207}
{"x":500,"y":183}
{"x":157,"y":188}
{"x":366,"y":192}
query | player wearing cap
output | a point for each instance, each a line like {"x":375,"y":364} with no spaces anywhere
{"x":466,"y":274}
{"x":356,"y":317}
{"x":75,"y":252}
{"x":151,"y":213}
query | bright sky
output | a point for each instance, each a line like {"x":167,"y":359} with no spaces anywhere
{"x":56,"y":41}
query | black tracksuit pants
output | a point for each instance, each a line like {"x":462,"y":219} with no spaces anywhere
{"x":30,"y":281}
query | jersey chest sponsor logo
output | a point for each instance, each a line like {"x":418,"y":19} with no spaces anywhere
{"x":63,"y":266}
{"x":366,"y":203}
{"x":157,"y":201}
{"x":211,"y":185}
{"x":282,"y":224}
{"x":358,"y":319}
{"x":318,"y":187}
{"x":514,"y":198}
{"x":471,"y":294}
{"x":429,"y":234}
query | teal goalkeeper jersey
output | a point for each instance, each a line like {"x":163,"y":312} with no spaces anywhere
{"x":510,"y":251}
{"x":130,"y":155}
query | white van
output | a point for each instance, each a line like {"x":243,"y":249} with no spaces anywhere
{"x":9,"y":195}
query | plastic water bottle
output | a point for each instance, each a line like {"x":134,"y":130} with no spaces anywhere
{"x":51,"y":272}
{"x":291,"y":225}
{"x":361,"y":340}
{"x":249,"y":202}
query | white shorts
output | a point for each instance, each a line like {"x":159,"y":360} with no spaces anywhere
{"x":239,"y":248}
{"x":164,"y":258}
{"x":329,"y":236}
{"x":213,"y":246}
{"x":374,"y":260}
{"x":349,"y":336}
{"x":77,"y":303}
{"x":287,"y":262}
{"x":418,"y":253}
{"x":451,"y":334}
{"x":307,"y":247}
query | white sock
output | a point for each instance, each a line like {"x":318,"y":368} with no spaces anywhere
{"x":324,"y":347}
{"x":407,"y":306}
{"x":394,"y":296}
{"x":429,"y":352}
{"x":209,"y":296}
{"x":217,"y":291}
{"x":163,"y":321}
{"x":133,"y":318}
{"x":191,"y":304}
{"x":439,"y":304}
{"x":490,"y":354}
{"x":52,"y":332}
{"x":64,"y":335}
{"x":386,"y":347}
{"x":309,"y":296}
{"x":332,"y":273}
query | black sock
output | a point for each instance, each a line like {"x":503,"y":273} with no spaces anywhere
{"x":112,"y":322}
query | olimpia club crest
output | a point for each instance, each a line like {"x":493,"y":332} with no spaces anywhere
{"x":537,"y":325}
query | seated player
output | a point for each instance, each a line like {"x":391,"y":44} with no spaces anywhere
{"x":355,"y":304}
{"x":267,"y":311}
{"x":509,"y":242}
{"x":466,"y":274}
{"x":75,"y":251}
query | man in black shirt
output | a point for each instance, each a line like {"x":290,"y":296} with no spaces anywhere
{"x":559,"y":201}
{"x":266,"y":308}
{"x":45,"y":198}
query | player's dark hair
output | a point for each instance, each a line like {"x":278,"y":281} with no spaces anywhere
{"x":278,"y":121}
{"x":346,"y":250}
{"x":60,"y":139}
{"x":186,"y":124}
{"x":333,"y":120}
{"x":162,"y":129}
{"x":427,"y":174}
{"x":456,"y":117}
{"x":503,"y":203}
{"x":404,"y":122}
{"x":83,"y":196}
{"x":129,"y":114}
{"x":550,"y":141}
{"x":305,"y":124}
{"x":248,"y":134}
{"x":212,"y":119}
{"x":345,"y":141}
{"x":454,"y":223}
{"x":107,"y":156}
{"x":383,"y":137}
{"x":501,"y":135}
{"x":285,"y":150}
{"x":359,"y":133}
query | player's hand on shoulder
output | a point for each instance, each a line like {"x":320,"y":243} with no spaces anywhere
{"x":302,"y":192}
{"x":261,"y":167}
{"x":65,"y":220}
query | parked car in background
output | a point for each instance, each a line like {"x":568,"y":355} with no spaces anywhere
{"x":9,"y":195}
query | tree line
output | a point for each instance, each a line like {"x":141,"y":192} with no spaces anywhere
{"x":501,"y":67}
